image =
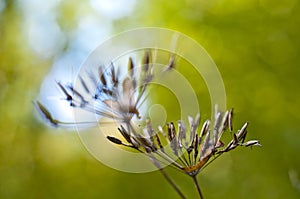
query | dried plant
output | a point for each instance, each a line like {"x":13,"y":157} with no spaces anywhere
{"x":188,"y":155}
{"x":187,"y":149}
{"x":109,"y":97}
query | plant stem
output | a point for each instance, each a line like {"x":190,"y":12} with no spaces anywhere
{"x":171,"y":182}
{"x":156,"y":163}
{"x":197,"y":187}
{"x":166,"y":176}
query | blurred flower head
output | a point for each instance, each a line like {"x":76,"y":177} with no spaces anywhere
{"x":109,"y":92}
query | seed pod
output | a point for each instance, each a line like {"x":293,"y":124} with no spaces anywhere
{"x":243,"y":132}
{"x":171,"y":63}
{"x":63,"y":89}
{"x":204,"y":130}
{"x":146,"y":61}
{"x":230,"y":116}
{"x":114,"y":140}
{"x":102,"y":76}
{"x":45,"y":113}
{"x":84,"y":85}
{"x":252,"y":143}
{"x":172,"y":137}
{"x":181,"y":133}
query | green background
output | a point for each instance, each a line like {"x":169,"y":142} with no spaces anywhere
{"x":256,"y":46}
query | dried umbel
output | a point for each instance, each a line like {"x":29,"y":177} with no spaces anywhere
{"x":188,"y":155}
{"x":189,"y":148}
{"x":108,"y":93}
{"x":191,"y":154}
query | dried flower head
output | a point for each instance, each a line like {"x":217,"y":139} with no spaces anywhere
{"x":189,"y":155}
{"x":108,"y":93}
{"x":187,"y":148}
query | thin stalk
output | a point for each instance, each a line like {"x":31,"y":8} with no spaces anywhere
{"x":163,"y":172}
{"x":171,"y":182}
{"x":197,"y":187}
{"x":166,"y":176}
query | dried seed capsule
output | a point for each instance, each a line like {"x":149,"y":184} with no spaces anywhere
{"x":45,"y":113}
{"x":252,"y":143}
{"x":102,"y":76}
{"x":230,"y":116}
{"x":63,"y":89}
{"x":181,"y":134}
{"x":114,"y":140}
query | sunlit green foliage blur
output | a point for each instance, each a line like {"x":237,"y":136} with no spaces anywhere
{"x":256,"y":46}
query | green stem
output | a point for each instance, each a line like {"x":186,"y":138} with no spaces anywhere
{"x":171,"y":182}
{"x":197,"y":187}
{"x":166,"y":176}
{"x":163,"y":172}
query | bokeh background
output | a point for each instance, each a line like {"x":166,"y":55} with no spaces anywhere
{"x":255,"y":44}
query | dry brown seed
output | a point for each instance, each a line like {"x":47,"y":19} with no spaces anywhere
{"x":145,"y":143}
{"x":125,"y":134}
{"x":45,"y":113}
{"x":242,"y":133}
{"x":76,"y":93}
{"x":114,"y":76}
{"x":196,"y":145}
{"x":230,"y":116}
{"x":218,"y":121}
{"x":146,"y":61}
{"x":114,"y":140}
{"x":206,"y":145}
{"x":171,"y":131}
{"x":204,"y":130}
{"x":194,"y":123}
{"x":252,"y":143}
{"x":172,"y":62}
{"x":224,"y":123}
{"x":159,"y":142}
{"x":181,"y":133}
{"x":63,"y":89}
{"x":102,"y":76}
{"x":84,"y":85}
{"x":131,"y":67}
{"x":108,"y":92}
{"x":172,"y":137}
